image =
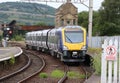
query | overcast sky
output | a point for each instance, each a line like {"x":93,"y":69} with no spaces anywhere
{"x":81,"y":7}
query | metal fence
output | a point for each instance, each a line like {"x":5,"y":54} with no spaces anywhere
{"x":97,"y":41}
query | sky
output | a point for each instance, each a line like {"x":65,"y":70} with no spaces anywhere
{"x":81,"y":7}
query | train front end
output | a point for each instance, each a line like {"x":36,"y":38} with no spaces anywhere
{"x":74,"y":44}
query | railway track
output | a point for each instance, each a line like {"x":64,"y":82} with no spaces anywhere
{"x":80,"y":69}
{"x":52,"y":64}
{"x":5,"y":77}
{"x":27,"y":71}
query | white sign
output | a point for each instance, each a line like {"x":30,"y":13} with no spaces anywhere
{"x":111,"y":52}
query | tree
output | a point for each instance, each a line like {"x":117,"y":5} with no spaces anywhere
{"x":110,"y":17}
{"x":83,"y":21}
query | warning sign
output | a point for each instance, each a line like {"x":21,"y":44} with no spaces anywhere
{"x":111,"y":52}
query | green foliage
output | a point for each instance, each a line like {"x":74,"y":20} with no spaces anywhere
{"x":96,"y":26}
{"x":43,"y":75}
{"x":97,"y":64}
{"x":18,"y":38}
{"x":94,"y":50}
{"x":96,"y":59}
{"x":12,"y":60}
{"x":111,"y":29}
{"x":110,"y":17}
{"x":83,"y":19}
{"x":72,"y":74}
{"x":57,"y":73}
{"x":106,"y":21}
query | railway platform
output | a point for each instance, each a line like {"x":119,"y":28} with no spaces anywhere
{"x":8,"y":52}
{"x":93,"y":79}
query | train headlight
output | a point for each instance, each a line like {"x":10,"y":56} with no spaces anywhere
{"x":65,"y":48}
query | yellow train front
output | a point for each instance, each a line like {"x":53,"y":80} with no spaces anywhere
{"x":68,"y":43}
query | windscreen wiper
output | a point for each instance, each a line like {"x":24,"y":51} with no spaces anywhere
{"x":68,"y":38}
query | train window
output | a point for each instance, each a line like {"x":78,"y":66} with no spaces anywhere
{"x":74,"y":36}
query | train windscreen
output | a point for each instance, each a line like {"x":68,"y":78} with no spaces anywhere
{"x":74,"y":36}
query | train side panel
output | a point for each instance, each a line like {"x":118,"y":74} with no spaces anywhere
{"x":44,"y":40}
{"x":54,"y":42}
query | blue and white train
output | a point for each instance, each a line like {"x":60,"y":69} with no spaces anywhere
{"x":67,"y":43}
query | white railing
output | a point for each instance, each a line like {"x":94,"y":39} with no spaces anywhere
{"x":110,"y":70}
{"x":97,"y":41}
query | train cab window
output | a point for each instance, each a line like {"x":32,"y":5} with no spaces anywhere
{"x":74,"y":36}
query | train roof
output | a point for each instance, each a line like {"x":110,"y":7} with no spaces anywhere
{"x":72,"y":26}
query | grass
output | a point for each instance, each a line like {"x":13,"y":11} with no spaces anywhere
{"x":97,"y":59}
{"x":17,"y":38}
{"x":94,"y":50}
{"x":43,"y":75}
{"x":73,"y":74}
{"x":97,"y":64}
{"x":57,"y":74}
{"x":12,"y":60}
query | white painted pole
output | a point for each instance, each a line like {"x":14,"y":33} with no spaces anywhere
{"x":104,"y":64}
{"x":115,"y":62}
{"x":110,"y":67}
{"x":119,"y":63}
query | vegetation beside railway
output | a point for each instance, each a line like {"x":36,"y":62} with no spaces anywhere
{"x":96,"y":54}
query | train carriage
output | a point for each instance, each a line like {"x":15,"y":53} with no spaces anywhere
{"x":44,"y":40}
{"x":68,"y":43}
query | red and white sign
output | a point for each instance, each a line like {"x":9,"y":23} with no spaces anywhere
{"x":111,"y":52}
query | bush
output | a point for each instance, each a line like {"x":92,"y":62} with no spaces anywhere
{"x":43,"y":75}
{"x":72,"y":74}
{"x":57,"y":74}
{"x":97,"y":64}
{"x":18,"y":38}
{"x":12,"y":60}
{"x":96,"y":59}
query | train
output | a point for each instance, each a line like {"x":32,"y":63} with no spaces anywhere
{"x":68,"y":43}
